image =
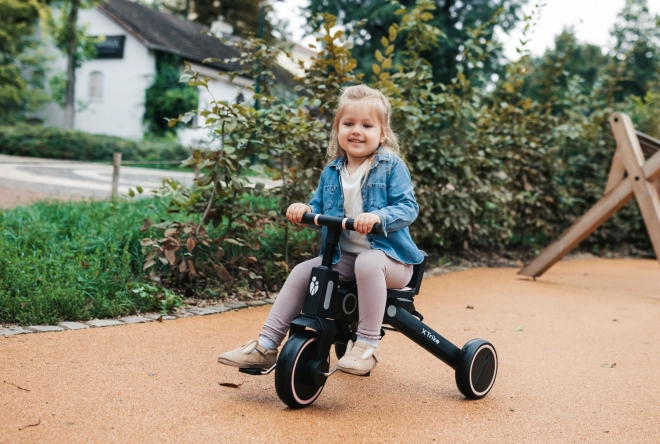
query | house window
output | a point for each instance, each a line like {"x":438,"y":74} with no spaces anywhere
{"x":95,"y":86}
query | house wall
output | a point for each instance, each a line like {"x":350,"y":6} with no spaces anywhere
{"x":120,"y":108}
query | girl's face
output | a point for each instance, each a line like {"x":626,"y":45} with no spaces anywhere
{"x":359,"y":132}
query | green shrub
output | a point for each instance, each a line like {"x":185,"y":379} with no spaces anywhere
{"x":58,"y":143}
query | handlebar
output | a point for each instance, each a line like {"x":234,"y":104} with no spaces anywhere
{"x":336,"y":222}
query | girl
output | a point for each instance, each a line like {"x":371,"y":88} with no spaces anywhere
{"x":365,"y":180}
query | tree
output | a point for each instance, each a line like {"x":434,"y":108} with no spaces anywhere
{"x":71,"y":39}
{"x":637,"y":49}
{"x":454,"y":18}
{"x":21,"y":65}
{"x":243,"y":15}
{"x":568,"y":64}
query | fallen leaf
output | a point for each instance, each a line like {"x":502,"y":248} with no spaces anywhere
{"x":470,"y":307}
{"x":230,"y":384}
{"x":160,"y":319}
{"x":612,"y":365}
{"x":517,"y":329}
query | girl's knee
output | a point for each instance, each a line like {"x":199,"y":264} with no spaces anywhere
{"x":370,"y":262}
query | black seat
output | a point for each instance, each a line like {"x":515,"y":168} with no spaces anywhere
{"x":410,"y":290}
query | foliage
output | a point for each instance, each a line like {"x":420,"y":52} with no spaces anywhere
{"x":501,"y":170}
{"x":372,"y":19}
{"x":21,"y":64}
{"x":58,"y":143}
{"x":166,"y":97}
{"x":61,"y":30}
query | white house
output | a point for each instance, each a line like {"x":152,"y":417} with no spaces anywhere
{"x":112,"y":87}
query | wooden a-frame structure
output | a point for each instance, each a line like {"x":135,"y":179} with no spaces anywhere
{"x":631,"y":175}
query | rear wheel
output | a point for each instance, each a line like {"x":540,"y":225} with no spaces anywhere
{"x":477,"y":370}
{"x":297,"y":379}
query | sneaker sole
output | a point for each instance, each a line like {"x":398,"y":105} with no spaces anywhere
{"x":354,"y":372}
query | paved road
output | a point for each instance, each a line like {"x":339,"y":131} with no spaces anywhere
{"x":77,"y":179}
{"x":24,"y":180}
{"x":578,"y":353}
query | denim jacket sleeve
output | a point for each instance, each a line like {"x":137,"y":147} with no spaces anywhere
{"x":316,"y":204}
{"x":402,"y":208}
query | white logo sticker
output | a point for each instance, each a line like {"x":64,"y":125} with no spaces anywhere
{"x":313,"y":286}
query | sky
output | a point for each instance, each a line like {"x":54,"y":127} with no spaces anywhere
{"x":591,"y":21}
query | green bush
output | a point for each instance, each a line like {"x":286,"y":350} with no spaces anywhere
{"x":58,"y":143}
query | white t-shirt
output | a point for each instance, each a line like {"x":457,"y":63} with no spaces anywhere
{"x":352,"y":241}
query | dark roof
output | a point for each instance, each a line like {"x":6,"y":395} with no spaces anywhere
{"x":164,"y":32}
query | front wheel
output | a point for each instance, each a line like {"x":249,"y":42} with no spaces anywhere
{"x":297,"y":379}
{"x":475,"y":375}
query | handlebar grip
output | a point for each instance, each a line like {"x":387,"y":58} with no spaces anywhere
{"x":336,"y":222}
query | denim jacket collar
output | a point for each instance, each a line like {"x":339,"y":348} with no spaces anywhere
{"x":382,"y":155}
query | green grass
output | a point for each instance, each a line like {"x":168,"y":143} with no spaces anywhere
{"x":72,"y":261}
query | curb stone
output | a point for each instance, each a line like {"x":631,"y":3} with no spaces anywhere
{"x":44,"y":328}
{"x":103,"y":323}
{"x":73,"y":325}
{"x":134,"y":320}
{"x":11,"y":331}
{"x":137,"y":319}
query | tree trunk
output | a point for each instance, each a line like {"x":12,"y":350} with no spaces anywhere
{"x":71,"y":65}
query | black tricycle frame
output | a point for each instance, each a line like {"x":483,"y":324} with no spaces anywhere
{"x":330,"y":309}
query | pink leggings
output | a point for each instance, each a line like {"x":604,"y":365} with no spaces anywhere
{"x":374,"y":272}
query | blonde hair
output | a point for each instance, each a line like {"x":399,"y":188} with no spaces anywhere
{"x":378,"y":103}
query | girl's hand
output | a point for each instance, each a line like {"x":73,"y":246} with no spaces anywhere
{"x":365,"y":222}
{"x":295,"y":212}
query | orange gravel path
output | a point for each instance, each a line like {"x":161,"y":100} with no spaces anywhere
{"x":158,"y":382}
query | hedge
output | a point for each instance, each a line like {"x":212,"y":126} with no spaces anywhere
{"x":57,"y":143}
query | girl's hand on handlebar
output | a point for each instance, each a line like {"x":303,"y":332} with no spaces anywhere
{"x":295,"y":212}
{"x":365,"y":222}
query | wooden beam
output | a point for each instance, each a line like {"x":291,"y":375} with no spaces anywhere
{"x":642,"y":182}
{"x":581,"y":229}
{"x":646,"y":193}
{"x":617,"y":171}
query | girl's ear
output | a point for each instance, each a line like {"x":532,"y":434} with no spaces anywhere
{"x":385,"y":132}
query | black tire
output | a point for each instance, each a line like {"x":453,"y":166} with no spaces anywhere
{"x":476,"y":373}
{"x":294,"y":379}
{"x":340,"y":350}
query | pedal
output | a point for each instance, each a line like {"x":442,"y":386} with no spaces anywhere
{"x":251,"y":371}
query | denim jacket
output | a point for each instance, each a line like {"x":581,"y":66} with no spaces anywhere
{"x":388,"y":193}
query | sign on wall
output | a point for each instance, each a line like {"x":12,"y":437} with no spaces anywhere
{"x":110,"y":47}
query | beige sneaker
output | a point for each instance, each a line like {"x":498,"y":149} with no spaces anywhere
{"x":359,"y":359}
{"x":242,"y":357}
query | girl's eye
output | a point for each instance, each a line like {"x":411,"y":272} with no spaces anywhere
{"x":367,"y":126}
{"x":348,"y":124}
